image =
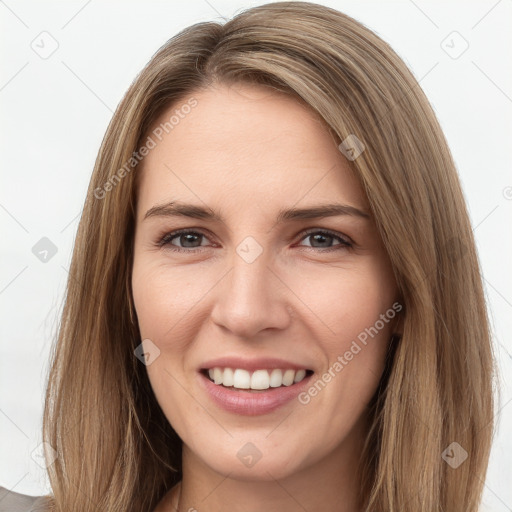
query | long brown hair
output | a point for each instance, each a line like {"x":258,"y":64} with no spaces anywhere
{"x":116,"y":450}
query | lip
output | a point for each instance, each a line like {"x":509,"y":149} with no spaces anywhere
{"x":253,"y":364}
{"x":252,"y":403}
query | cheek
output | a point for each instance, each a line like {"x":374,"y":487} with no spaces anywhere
{"x":347,"y":302}
{"x":165,"y":299}
{"x":357,"y":307}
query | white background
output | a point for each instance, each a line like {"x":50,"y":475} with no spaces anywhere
{"x":56,"y":110}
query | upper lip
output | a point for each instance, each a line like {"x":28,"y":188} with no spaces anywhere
{"x":253,"y":364}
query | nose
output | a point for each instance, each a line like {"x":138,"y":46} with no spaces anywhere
{"x":251,"y":298}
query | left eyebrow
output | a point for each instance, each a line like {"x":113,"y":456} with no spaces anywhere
{"x":318,"y":212}
{"x":178,"y":209}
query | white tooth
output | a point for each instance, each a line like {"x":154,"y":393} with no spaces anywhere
{"x":276,"y":378}
{"x":299,"y":375}
{"x":217,"y":375}
{"x":260,"y":379}
{"x":241,"y":379}
{"x":288,"y":377}
{"x":228,"y":377}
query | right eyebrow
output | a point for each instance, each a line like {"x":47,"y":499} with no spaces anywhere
{"x":177,"y":209}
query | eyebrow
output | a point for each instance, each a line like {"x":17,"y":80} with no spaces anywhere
{"x":179,"y":209}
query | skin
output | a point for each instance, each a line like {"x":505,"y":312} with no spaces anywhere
{"x":246,"y":152}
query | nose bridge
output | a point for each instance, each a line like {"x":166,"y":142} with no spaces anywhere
{"x":251,"y":277}
{"x":251,"y":298}
{"x":251,"y":272}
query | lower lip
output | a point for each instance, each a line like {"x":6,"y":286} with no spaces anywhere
{"x":252,"y":403}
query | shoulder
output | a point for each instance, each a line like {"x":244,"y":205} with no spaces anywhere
{"x":11,"y":501}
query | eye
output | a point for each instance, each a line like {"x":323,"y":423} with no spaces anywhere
{"x":188,"y":240}
{"x":322,"y":239}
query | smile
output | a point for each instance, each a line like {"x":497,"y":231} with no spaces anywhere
{"x":239,"y":378}
{"x":253,"y":402}
{"x":260,"y":380}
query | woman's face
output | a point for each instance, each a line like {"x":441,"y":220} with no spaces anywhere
{"x":258,"y":281}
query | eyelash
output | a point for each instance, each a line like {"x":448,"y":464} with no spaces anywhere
{"x":166,"y":240}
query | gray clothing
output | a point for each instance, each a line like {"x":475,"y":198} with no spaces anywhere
{"x":11,"y":501}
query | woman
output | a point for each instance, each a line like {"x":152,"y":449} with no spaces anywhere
{"x":274,"y":301}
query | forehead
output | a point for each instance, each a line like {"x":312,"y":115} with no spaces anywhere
{"x":244,"y":141}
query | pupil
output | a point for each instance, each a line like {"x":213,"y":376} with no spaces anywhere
{"x":319,"y":237}
{"x":188,"y":239}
